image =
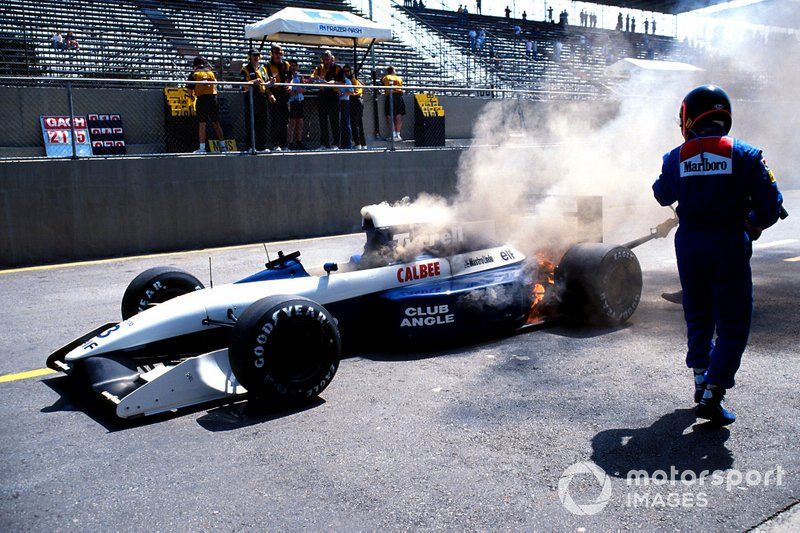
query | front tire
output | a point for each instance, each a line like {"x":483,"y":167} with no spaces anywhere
{"x":154,"y":286}
{"x":285,"y":349}
{"x":601,"y":284}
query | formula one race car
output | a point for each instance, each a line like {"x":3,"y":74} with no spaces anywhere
{"x":277,"y":335}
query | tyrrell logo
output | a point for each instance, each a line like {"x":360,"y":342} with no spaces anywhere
{"x":704,"y":165}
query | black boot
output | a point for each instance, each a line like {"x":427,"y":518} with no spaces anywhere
{"x":710,"y":407}
{"x":699,"y":383}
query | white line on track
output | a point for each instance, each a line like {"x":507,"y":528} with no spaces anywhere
{"x":168,"y":254}
{"x":773,"y":244}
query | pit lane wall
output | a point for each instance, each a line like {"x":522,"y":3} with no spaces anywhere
{"x":57,"y":211}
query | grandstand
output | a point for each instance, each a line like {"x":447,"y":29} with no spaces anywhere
{"x":157,"y":39}
{"x":585,"y":53}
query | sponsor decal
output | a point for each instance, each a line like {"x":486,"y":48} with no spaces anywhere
{"x":455,"y":234}
{"x":705,"y":164}
{"x":431,"y":315}
{"x":507,"y":255}
{"x":477,"y":261}
{"x":769,"y":170}
{"x":419,"y":271}
{"x":330,"y":28}
{"x":277,"y":316}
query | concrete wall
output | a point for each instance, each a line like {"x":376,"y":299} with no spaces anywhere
{"x":54,"y":211}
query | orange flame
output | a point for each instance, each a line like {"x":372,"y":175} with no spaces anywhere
{"x":545,"y":278}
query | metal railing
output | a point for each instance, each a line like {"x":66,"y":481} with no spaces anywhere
{"x":97,"y":117}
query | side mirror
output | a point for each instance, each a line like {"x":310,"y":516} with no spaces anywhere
{"x":330,"y":267}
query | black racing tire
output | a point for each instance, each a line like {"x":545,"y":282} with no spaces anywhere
{"x":156,"y":285}
{"x":600,"y":284}
{"x":285,"y":349}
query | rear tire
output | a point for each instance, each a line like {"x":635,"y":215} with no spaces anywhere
{"x":285,"y":349}
{"x":154,"y":286}
{"x":601,"y":284}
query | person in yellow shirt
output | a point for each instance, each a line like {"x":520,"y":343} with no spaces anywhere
{"x":254,"y":72}
{"x":206,"y":105}
{"x":357,"y":111}
{"x":395,"y":108}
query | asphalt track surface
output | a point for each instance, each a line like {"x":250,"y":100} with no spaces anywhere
{"x":476,"y":437}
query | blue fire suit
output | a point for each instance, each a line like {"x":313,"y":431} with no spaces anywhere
{"x":721,"y":184}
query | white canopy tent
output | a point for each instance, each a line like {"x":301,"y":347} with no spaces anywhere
{"x":319,"y":27}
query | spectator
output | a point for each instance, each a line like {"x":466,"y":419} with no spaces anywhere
{"x":481,"y":40}
{"x":627,"y":23}
{"x":508,"y":12}
{"x":345,"y":138}
{"x":528,"y":48}
{"x":517,"y":33}
{"x":255,"y":73}
{"x":421,"y":4}
{"x":296,"y":109}
{"x":524,"y":15}
{"x":396,"y":105}
{"x":328,"y":72}
{"x":550,"y":13}
{"x":406,"y":3}
{"x":633,"y":24}
{"x":206,"y":106}
{"x":414,"y":4}
{"x":557,"y":48}
{"x":357,"y":113}
{"x":71,"y":41}
{"x":619,"y":21}
{"x":478,"y":7}
{"x":582,"y":17}
{"x":473,"y":37}
{"x":646,"y":26}
{"x":58,"y":41}
{"x":460,"y":9}
{"x":594,"y":19}
{"x":654,"y":25}
{"x":279,"y":72}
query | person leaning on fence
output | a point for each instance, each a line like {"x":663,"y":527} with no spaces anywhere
{"x":393,"y":107}
{"x":357,"y":112}
{"x":206,"y":105}
{"x":278,"y":98}
{"x":328,"y":72}
{"x":254,"y":72}
{"x":296,"y":109}
{"x":345,"y":137}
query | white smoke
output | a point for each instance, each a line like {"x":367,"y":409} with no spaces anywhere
{"x":528,"y":156}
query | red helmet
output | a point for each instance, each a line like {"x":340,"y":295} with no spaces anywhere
{"x":703,"y":107}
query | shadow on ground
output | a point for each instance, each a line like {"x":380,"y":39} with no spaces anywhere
{"x":671,"y":441}
{"x":224,"y":415}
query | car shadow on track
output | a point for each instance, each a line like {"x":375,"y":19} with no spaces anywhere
{"x":417,"y":352}
{"x":584,"y":332}
{"x":219,"y":416}
{"x":243,"y":414}
{"x":663,"y":445}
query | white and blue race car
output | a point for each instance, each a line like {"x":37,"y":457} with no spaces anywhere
{"x":277,"y":335}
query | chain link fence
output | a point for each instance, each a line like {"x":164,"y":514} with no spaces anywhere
{"x":79,"y":117}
